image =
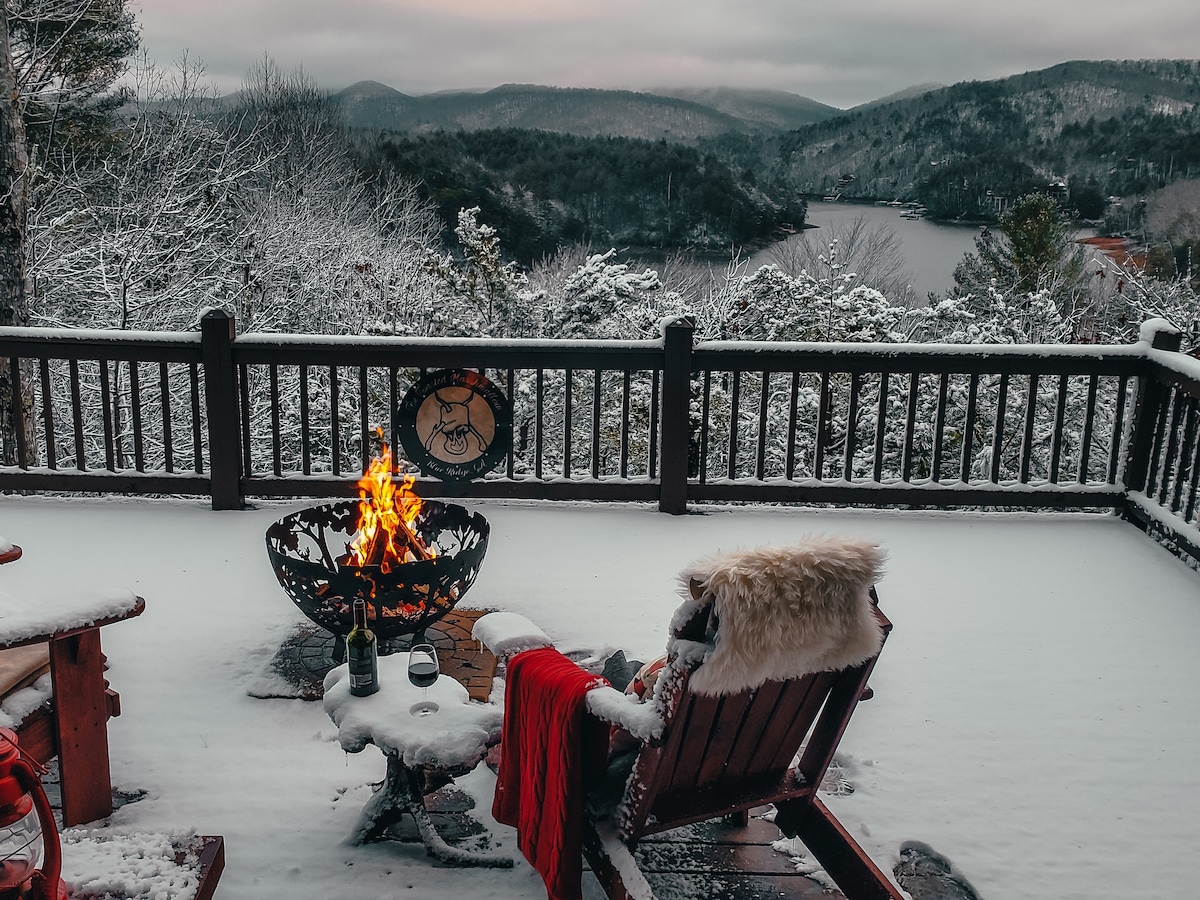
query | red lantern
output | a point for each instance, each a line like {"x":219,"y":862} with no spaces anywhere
{"x":26,"y":830}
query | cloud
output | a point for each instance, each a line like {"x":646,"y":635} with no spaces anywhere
{"x":841,"y":53}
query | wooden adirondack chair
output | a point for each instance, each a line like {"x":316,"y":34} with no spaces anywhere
{"x":721,"y":755}
{"x":74,"y":725}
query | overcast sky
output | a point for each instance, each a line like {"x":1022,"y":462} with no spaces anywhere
{"x":841,"y":53}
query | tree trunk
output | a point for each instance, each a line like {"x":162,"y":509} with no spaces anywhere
{"x":16,"y":412}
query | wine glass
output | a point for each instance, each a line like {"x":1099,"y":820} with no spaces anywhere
{"x":422,"y":672}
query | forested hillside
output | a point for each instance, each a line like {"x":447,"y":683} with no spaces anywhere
{"x":543,"y":190}
{"x":1099,"y":128}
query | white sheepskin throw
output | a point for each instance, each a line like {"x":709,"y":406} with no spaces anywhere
{"x":783,"y":612}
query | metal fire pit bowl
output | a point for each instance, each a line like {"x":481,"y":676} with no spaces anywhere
{"x":304,"y":549}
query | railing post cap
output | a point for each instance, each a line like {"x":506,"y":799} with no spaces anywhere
{"x":675,"y":322}
{"x":215,"y":312}
{"x":1160,"y":334}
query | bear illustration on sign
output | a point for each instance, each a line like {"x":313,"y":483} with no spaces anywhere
{"x":453,"y":436}
{"x":455,"y":424}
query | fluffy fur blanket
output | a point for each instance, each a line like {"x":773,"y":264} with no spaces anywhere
{"x":785,"y":611}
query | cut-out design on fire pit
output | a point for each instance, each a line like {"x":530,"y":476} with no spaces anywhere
{"x":309,"y":551}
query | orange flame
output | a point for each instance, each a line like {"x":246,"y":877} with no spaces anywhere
{"x":386,"y":514}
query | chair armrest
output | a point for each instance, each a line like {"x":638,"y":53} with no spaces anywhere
{"x":507,"y":634}
{"x":642,"y":720}
{"x":24,"y":623}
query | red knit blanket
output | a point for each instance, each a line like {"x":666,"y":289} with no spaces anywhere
{"x":551,"y":753}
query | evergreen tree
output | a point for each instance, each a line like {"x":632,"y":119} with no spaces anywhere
{"x":67,"y":56}
{"x":1033,"y":254}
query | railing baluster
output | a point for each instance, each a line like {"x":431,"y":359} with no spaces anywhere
{"x":539,"y":415}
{"x":625,"y":382}
{"x":335,"y":422}
{"x":880,"y":426}
{"x":1168,"y":466}
{"x":1194,"y":481}
{"x":793,"y":411}
{"x":197,"y":434}
{"x":968,"y":447}
{"x":48,"y":415}
{"x":110,"y":459}
{"x":998,"y":431}
{"x":655,"y":381}
{"x":596,"y":381}
{"x":393,"y":410}
{"x":364,"y":420}
{"x":1184,"y":474}
{"x":276,"y":436}
{"x":734,"y":424}
{"x":939,"y":428}
{"x":77,"y":416}
{"x":1089,"y":424}
{"x":760,"y":461}
{"x":851,"y":429}
{"x":1118,"y":429}
{"x":164,"y":401}
{"x":1060,"y":412}
{"x":247,"y":431}
{"x":823,"y":428}
{"x":910,"y":428}
{"x":705,"y":407}
{"x":1027,"y":439}
{"x":510,"y":463}
{"x":305,"y":440}
{"x":568,"y":413}
{"x":135,"y":405}
{"x":1160,"y":424}
{"x":16,"y":414}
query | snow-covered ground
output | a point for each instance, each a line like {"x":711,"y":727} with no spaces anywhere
{"x":1034,"y":716}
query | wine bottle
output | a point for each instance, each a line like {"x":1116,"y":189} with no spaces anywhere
{"x":362,"y":654}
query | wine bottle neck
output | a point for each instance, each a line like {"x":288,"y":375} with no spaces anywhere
{"x":360,"y":614}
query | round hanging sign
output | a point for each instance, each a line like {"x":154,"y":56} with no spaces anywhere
{"x":455,"y":424}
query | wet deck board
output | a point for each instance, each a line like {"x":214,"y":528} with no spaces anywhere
{"x":717,"y":861}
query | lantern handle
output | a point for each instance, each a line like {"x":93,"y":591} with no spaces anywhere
{"x":49,"y":886}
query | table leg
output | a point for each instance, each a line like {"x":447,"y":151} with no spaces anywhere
{"x":400,"y":794}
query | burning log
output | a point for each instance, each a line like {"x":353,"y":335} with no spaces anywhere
{"x":385,"y":518}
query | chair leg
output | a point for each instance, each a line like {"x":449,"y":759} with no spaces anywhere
{"x":739,"y":819}
{"x":840,"y":855}
{"x":613,"y":864}
{"x":81,"y":720}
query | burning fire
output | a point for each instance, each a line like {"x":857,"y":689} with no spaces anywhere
{"x":386,"y":514}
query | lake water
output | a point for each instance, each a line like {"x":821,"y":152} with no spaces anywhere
{"x":931,"y":250}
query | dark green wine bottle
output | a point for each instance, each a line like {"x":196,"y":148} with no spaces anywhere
{"x":361,"y":654}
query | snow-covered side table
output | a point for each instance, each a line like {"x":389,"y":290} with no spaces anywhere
{"x":450,"y":742}
{"x":76,"y":728}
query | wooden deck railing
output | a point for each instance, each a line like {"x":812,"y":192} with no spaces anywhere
{"x":931,"y":425}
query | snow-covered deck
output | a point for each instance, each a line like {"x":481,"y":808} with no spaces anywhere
{"x":1034,"y":717}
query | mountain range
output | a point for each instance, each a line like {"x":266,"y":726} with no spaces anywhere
{"x":711,"y":167}
{"x":673,"y":114}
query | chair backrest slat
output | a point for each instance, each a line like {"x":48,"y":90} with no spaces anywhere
{"x":760,"y":717}
{"x":809,"y":695}
{"x":700,"y":717}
